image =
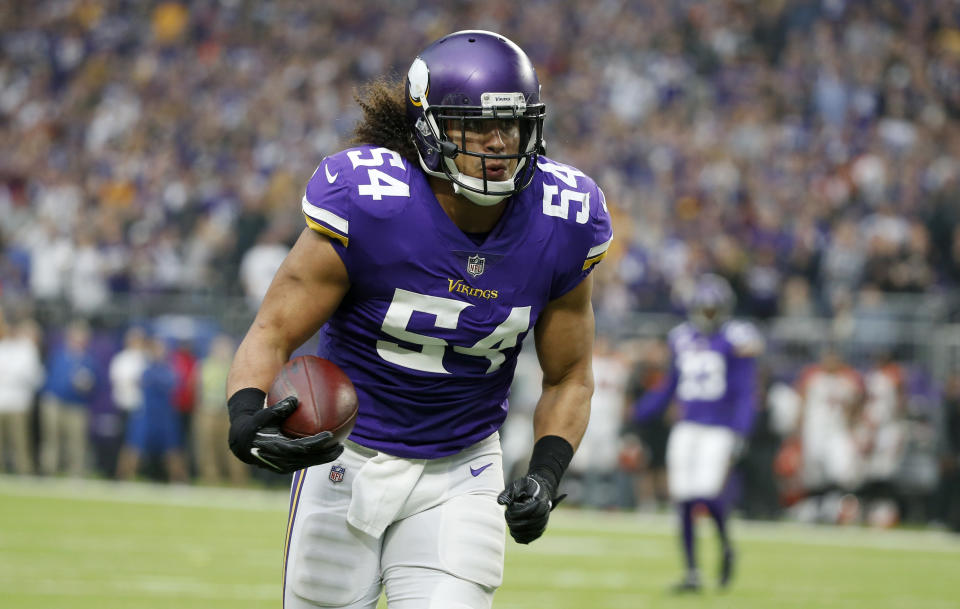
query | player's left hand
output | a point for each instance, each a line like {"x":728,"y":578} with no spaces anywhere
{"x":529,"y":501}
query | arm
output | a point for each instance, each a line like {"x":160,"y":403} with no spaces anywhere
{"x":748,"y":345}
{"x":745,"y":402}
{"x":305,"y":292}
{"x":564,"y":339}
{"x":655,"y":401}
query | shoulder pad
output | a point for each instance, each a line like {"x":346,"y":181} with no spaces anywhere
{"x":363,"y":180}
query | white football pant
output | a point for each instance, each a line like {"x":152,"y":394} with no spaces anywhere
{"x":443,"y":533}
{"x":698,"y":460}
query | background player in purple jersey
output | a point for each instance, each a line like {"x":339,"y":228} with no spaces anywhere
{"x":433,"y":247}
{"x":713,"y":377}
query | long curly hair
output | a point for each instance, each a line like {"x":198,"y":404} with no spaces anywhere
{"x":384,"y":120}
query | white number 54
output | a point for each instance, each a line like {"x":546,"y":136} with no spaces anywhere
{"x":561,"y":208}
{"x":446,"y":311}
{"x":381,"y":183}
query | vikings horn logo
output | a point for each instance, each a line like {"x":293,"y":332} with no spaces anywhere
{"x":418,"y":78}
{"x":475,"y":265}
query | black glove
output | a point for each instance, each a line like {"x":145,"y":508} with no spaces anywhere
{"x":255,"y":435}
{"x":529,"y":501}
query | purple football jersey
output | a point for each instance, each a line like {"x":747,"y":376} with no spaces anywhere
{"x":431,"y":327}
{"x":712,"y":376}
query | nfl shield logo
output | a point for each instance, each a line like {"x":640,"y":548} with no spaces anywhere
{"x":475,"y":265}
{"x":336,"y":473}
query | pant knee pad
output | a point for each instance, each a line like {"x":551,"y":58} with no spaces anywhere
{"x":329,"y":565}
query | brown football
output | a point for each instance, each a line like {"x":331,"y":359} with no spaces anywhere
{"x":326,"y":398}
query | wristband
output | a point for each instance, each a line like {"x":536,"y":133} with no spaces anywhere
{"x":551,"y":456}
{"x":245,"y":401}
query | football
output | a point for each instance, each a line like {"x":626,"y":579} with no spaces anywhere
{"x":326,"y":398}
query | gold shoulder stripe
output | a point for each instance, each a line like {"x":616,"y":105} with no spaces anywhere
{"x":596,"y":253}
{"x":326,"y":216}
{"x":323,"y":230}
{"x":592,"y":261}
{"x":599,"y":249}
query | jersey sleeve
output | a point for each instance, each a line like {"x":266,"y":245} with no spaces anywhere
{"x":602,"y":234}
{"x":350,"y":193}
{"x":586,"y":224}
{"x":744,"y":337}
{"x":327,"y":204}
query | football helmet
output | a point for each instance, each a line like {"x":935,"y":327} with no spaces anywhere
{"x":711,"y":303}
{"x":467,"y":76}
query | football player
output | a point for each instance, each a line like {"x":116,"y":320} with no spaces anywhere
{"x":713,"y":377}
{"x":432,"y":248}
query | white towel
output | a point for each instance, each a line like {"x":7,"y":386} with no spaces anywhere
{"x":379,"y":491}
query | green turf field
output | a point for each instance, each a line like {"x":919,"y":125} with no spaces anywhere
{"x":105,"y":546}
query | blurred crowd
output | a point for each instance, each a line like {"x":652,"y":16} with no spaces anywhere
{"x":144,"y":402}
{"x":807,"y":150}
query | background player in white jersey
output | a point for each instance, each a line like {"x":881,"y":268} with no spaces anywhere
{"x":832,"y":396}
{"x":432,"y":249}
{"x":714,"y":378}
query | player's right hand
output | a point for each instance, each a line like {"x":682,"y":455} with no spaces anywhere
{"x":255,"y":436}
{"x":529,"y":501}
{"x":285,"y":455}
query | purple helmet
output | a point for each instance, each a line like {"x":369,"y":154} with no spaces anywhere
{"x":711,"y":303}
{"x":474,"y":75}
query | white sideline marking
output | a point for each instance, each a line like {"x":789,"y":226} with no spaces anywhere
{"x":147,"y":493}
{"x":155,"y":586}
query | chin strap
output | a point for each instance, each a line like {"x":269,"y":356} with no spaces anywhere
{"x":468,"y":186}
{"x":478,"y":198}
